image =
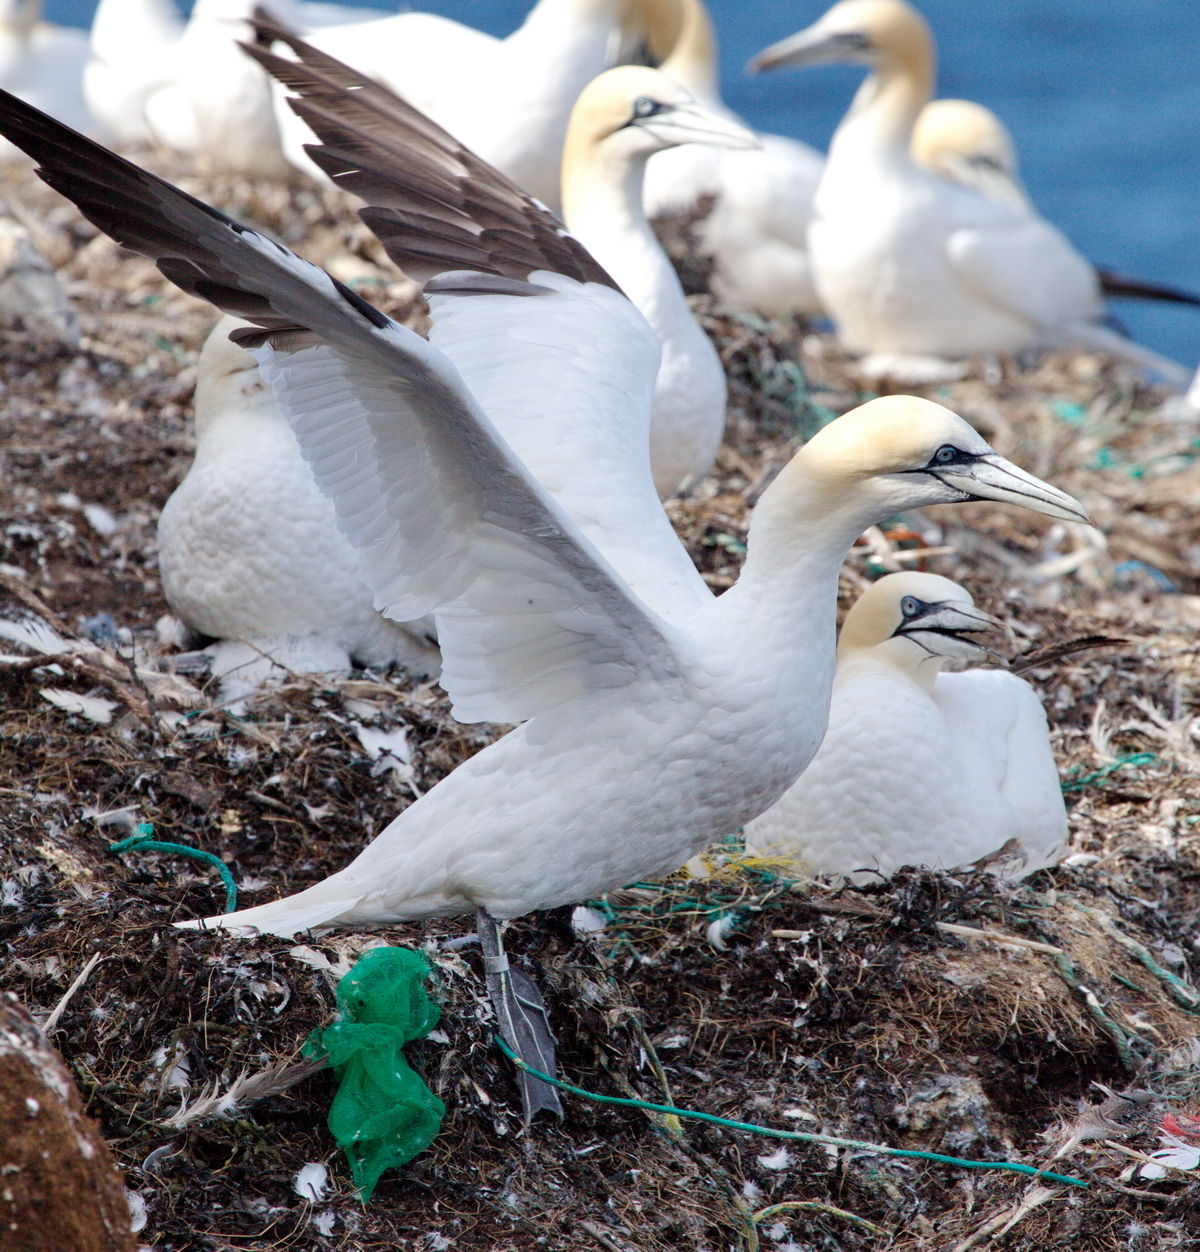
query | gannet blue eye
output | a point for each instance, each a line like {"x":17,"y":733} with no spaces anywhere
{"x":945,"y":454}
{"x":910,"y":606}
{"x":643,"y":106}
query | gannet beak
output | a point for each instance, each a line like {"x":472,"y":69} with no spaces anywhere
{"x":691,"y":123}
{"x":942,"y":629}
{"x":815,"y":45}
{"x":991,"y":477}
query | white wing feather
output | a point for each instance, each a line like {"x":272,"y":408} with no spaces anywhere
{"x":568,"y":379}
{"x":445,"y":517}
{"x":1027,"y":269}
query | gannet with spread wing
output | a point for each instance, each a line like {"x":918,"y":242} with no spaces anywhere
{"x":654,"y":717}
{"x":914,"y":268}
{"x":919,"y":767}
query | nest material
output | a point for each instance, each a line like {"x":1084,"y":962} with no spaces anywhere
{"x":856,"y":1013}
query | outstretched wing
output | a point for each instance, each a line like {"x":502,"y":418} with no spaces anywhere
{"x":433,"y":204}
{"x":443,"y":515}
{"x":568,"y":381}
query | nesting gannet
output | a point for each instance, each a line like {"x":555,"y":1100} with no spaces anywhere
{"x":969,"y":144}
{"x":508,"y":100}
{"x":43,"y":64}
{"x":248,"y":547}
{"x":621,"y":118}
{"x":644,"y":736}
{"x":919,"y":767}
{"x":152,"y":78}
{"x":756,"y":230}
{"x":914,"y":268}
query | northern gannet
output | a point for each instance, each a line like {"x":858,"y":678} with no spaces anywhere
{"x":621,"y":118}
{"x":756,"y":231}
{"x":919,"y":767}
{"x":43,"y":64}
{"x":969,"y":144}
{"x":248,"y":547}
{"x":645,"y":733}
{"x":508,"y":100}
{"x":152,"y":78}
{"x":914,"y":268}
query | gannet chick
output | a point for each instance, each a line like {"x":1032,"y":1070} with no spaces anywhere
{"x":919,"y":767}
{"x":643,"y":736}
{"x":42,"y":64}
{"x":508,"y":100}
{"x":249,"y":550}
{"x":756,"y":231}
{"x":622,"y":118}
{"x":915,"y":269}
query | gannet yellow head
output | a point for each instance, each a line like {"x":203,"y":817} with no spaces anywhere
{"x":948,"y":129}
{"x":962,"y":141}
{"x":635,"y":111}
{"x":879,"y":33}
{"x":918,"y":621}
{"x":898,"y":453}
{"x":225,"y":374}
{"x":681,"y":41}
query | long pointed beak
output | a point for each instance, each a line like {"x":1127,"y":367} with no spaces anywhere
{"x":812,"y":46}
{"x":946,"y":630}
{"x":991,"y":477}
{"x":950,"y":618}
{"x":692,"y":123}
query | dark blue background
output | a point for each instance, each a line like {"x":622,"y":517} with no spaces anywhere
{"x":1102,"y":97}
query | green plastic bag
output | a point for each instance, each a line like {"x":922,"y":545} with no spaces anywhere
{"x":383,"y":1114}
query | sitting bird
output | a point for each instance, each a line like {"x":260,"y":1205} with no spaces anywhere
{"x":919,"y":767}
{"x":248,"y":547}
{"x":912,"y":267}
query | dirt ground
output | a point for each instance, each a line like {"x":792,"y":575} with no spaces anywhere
{"x":879,"y":1014}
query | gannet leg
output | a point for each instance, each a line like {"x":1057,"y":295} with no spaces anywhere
{"x":521,"y":1013}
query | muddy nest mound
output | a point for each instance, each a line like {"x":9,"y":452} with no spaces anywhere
{"x":1053,"y":1024}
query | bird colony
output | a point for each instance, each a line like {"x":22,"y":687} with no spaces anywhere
{"x":732,"y":609}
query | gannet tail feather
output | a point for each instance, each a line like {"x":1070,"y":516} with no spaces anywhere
{"x":1113,"y":284}
{"x":1101,"y":339}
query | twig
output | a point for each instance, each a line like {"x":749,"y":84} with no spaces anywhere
{"x":51,"y":1022}
{"x":813,"y":1206}
{"x":996,"y":936}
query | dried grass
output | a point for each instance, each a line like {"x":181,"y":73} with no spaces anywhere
{"x":863,"y":1019}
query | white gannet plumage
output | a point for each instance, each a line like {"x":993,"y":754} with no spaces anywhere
{"x":968,"y":144}
{"x":622,"y":117}
{"x":508,"y":100}
{"x":642,"y":737}
{"x":42,"y":64}
{"x":756,"y":231}
{"x":919,"y":767}
{"x":248,"y":547}
{"x":914,"y":268}
{"x":153,"y":78}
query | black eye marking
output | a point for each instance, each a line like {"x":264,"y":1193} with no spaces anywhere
{"x":643,"y":106}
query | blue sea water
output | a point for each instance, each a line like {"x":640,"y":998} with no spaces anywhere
{"x":1102,"y":98}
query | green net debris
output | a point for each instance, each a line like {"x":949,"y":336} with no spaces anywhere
{"x":383,"y":1114}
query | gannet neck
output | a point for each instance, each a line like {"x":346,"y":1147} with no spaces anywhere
{"x":692,"y":62}
{"x":900,"y":656}
{"x":602,"y":191}
{"x":887,"y":105}
{"x":19,"y":17}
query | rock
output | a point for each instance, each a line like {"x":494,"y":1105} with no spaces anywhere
{"x":59,"y":1188}
{"x":31,"y":297}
